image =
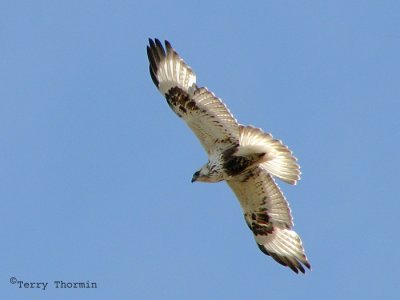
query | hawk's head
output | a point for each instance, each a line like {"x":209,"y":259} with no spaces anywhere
{"x":208,"y":173}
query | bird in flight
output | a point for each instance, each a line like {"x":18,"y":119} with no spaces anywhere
{"x":246,"y":157}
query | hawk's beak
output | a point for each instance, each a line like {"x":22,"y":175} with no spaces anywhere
{"x":195,"y":176}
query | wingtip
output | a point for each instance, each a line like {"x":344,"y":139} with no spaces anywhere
{"x":151,"y":42}
{"x":158,"y":43}
{"x":168,"y":44}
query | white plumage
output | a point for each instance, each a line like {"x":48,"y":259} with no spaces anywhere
{"x":244,"y":156}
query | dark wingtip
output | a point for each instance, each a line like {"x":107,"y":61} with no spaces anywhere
{"x":158,"y":43}
{"x":301,"y":268}
{"x":168,"y":45}
{"x":151,"y":42}
{"x":148,"y":52}
{"x":153,"y":77}
{"x":155,"y":54}
{"x":293,"y":264}
{"x":307,"y":264}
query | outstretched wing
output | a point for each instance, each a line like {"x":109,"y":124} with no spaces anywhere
{"x":267,"y":214}
{"x":203,"y":112}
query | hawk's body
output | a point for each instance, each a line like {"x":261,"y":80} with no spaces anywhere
{"x":244,"y":156}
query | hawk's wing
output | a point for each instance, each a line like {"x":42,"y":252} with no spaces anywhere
{"x":203,"y":112}
{"x":267,"y":214}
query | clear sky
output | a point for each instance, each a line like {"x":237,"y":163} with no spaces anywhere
{"x":95,"y":168}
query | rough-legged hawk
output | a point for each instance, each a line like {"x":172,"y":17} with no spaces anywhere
{"x":245,"y":157}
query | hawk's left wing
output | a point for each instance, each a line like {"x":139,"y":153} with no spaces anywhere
{"x":267,"y":214}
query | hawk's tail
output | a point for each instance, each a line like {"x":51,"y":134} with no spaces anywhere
{"x":278,"y":160}
{"x":168,"y":70}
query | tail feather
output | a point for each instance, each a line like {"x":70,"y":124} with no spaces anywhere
{"x":278,"y":161}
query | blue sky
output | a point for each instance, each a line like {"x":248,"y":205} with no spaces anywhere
{"x":95,"y":168}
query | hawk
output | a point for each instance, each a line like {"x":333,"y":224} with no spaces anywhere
{"x":247,"y":158}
